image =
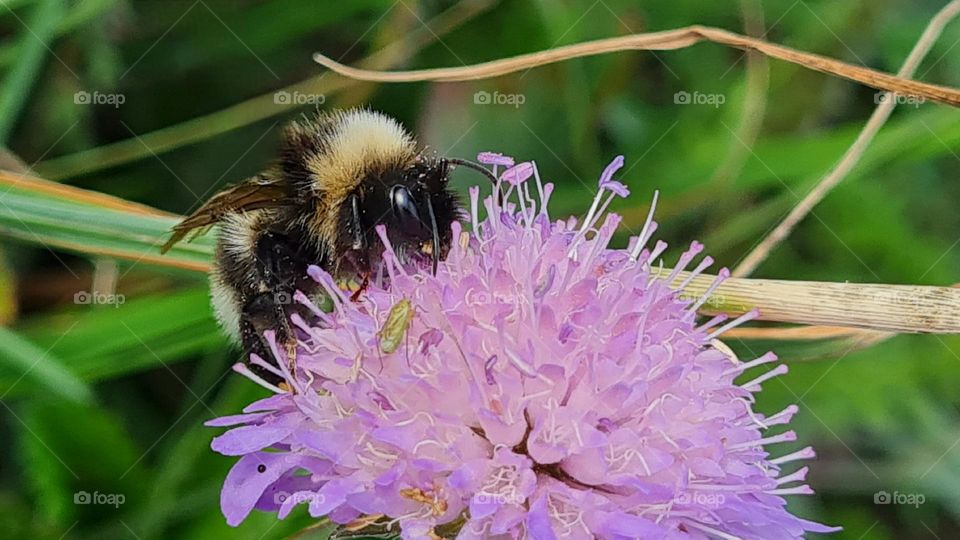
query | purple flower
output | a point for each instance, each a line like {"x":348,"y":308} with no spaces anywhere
{"x":517,"y":174}
{"x":547,"y":386}
{"x":606,"y":179}
{"x":495,"y":158}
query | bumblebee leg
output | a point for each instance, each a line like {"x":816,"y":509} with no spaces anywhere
{"x":355,"y":297}
{"x":282,"y":267}
{"x":264,"y":312}
{"x":357,"y":254}
{"x":359,"y":239}
{"x":258,"y":315}
{"x":435,"y":247}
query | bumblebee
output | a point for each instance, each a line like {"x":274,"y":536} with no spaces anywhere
{"x":337,"y":177}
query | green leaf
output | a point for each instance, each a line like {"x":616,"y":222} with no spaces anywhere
{"x":45,"y":369}
{"x":182,"y":452}
{"x":9,"y":302}
{"x":42,"y":212}
{"x":81,"y":14}
{"x":142,"y":333}
{"x":66,"y":449}
{"x":262,"y":28}
{"x":35,"y":44}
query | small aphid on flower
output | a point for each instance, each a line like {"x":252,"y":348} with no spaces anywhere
{"x":551,"y":387}
{"x":395,"y":328}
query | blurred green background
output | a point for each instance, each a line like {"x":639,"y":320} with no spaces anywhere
{"x":163,"y":102}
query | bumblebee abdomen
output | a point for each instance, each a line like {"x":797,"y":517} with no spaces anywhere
{"x":234,"y":276}
{"x":224,"y":298}
{"x":259,"y":252}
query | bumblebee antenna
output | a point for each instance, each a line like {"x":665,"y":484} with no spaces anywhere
{"x":475,"y":166}
{"x":482,"y":170}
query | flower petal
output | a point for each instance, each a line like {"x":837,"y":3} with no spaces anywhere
{"x":246,"y":439}
{"x":247,"y":480}
{"x":518,"y":174}
{"x":494,"y":158}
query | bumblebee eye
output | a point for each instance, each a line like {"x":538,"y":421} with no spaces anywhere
{"x":404,"y":209}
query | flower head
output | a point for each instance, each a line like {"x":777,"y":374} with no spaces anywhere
{"x":540,"y":385}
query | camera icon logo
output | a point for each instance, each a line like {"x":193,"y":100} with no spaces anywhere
{"x":82,"y":497}
{"x":482,"y":97}
{"x":81,"y":98}
{"x":82,"y":297}
{"x":681,"y":98}
{"x":882,"y":497}
{"x":281,"y":98}
{"x":283,"y":298}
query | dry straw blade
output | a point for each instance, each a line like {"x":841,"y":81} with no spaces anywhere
{"x":87,"y":222}
{"x":810,"y":343}
{"x":887,"y":308}
{"x":666,"y":40}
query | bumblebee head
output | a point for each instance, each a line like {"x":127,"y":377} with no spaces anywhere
{"x":413,"y":203}
{"x":361,"y":169}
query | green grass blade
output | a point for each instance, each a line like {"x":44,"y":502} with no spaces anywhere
{"x":32,"y":362}
{"x":81,"y":14}
{"x":80,"y":221}
{"x":35,"y":44}
{"x":142,"y":333}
